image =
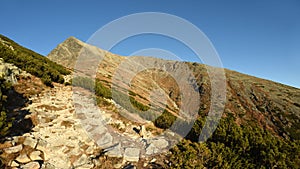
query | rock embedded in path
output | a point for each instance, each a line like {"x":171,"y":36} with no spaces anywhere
{"x":30,"y":142}
{"x":14,"y":149}
{"x":23,"y":158}
{"x":156,"y":146}
{"x":35,"y":155}
{"x":14,"y":164}
{"x":132,"y":154}
{"x":31,"y":165}
{"x":83,"y":159}
{"x":105,"y":140}
{"x":114,"y":151}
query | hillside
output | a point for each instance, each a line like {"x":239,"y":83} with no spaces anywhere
{"x":250,"y":100}
{"x":260,"y":124}
{"x":67,"y":126}
{"x":31,"y":62}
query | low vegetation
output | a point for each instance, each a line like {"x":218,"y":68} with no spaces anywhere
{"x":165,"y":120}
{"x":31,"y":62}
{"x":4,"y":123}
{"x":119,"y":97}
{"x":233,"y":146}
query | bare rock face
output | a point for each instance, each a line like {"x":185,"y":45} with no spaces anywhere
{"x":66,"y":53}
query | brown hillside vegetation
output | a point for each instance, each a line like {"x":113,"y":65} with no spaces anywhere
{"x":250,"y":100}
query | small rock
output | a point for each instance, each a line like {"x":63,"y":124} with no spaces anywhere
{"x":96,"y":162}
{"x":81,"y":161}
{"x":30,"y":142}
{"x":31,"y":165}
{"x":105,"y":140}
{"x":47,"y":165}
{"x":145,"y":165}
{"x":42,"y":145}
{"x":156,"y":146}
{"x":14,"y":149}
{"x":153,"y":160}
{"x":23,"y":158}
{"x":35,"y":155}
{"x":89,"y":150}
{"x":114,"y":151}
{"x":132,"y":154}
{"x":119,"y":165}
{"x":86,"y":166}
{"x":27,"y":135}
{"x":14,"y":164}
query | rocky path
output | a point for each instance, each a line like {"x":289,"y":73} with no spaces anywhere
{"x":128,"y":145}
{"x":70,"y":131}
{"x":58,"y":140}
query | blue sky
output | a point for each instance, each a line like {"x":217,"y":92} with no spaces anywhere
{"x":260,"y":38}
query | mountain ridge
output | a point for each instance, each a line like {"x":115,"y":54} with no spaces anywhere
{"x":52,"y":55}
{"x":248,"y":97}
{"x":259,"y":127}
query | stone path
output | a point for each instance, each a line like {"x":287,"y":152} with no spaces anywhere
{"x":70,"y":132}
{"x":59,"y":134}
{"x":116,"y":144}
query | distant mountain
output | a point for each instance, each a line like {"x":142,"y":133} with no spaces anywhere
{"x":250,"y":100}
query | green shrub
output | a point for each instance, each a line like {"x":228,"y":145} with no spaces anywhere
{"x":138,"y":105}
{"x":233,"y":146}
{"x":4,"y":124}
{"x":165,"y":120}
{"x":32,"y":62}
{"x":47,"y":80}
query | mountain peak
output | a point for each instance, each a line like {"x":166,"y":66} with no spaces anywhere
{"x":66,"y":52}
{"x":74,"y":40}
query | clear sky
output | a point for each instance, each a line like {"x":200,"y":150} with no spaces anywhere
{"x":256,"y":37}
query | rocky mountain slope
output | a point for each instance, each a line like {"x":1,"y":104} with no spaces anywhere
{"x":250,"y":100}
{"x":65,"y":126}
{"x":43,"y":130}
